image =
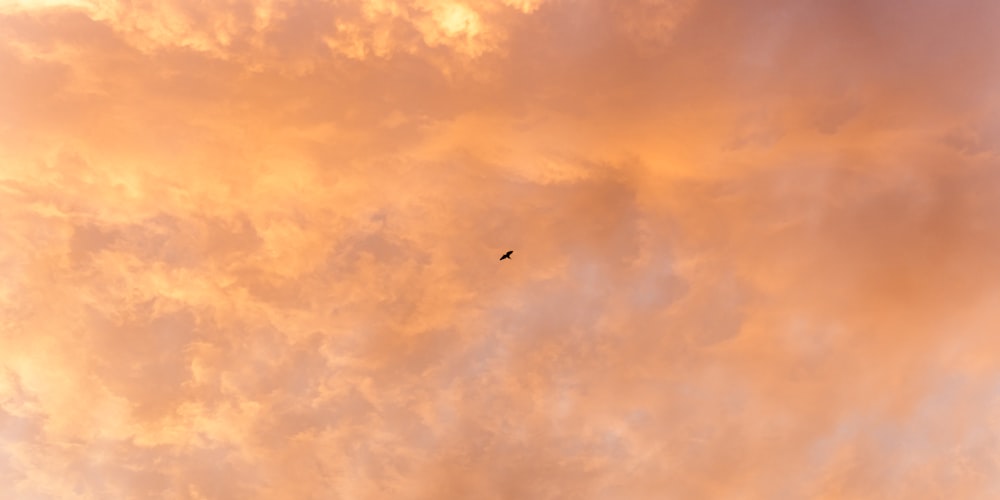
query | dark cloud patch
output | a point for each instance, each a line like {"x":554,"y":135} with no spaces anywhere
{"x":143,"y":351}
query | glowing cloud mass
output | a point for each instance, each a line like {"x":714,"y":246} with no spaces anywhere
{"x":249,"y":249}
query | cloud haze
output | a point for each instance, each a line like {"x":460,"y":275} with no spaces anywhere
{"x":250,"y":249}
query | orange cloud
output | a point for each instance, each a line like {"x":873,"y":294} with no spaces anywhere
{"x":250,"y":249}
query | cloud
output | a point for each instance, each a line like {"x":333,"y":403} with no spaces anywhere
{"x":250,"y":249}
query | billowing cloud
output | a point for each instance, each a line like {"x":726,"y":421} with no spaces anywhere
{"x":250,"y":249}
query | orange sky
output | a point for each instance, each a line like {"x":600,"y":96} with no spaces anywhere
{"x":249,"y":249}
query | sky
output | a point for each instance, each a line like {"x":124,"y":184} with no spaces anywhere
{"x":250,"y":249}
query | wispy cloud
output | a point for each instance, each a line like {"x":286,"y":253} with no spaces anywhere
{"x":250,"y":249}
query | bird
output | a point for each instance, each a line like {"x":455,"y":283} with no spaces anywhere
{"x":507,"y":255}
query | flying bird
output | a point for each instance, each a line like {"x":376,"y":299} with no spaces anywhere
{"x":507,"y":255}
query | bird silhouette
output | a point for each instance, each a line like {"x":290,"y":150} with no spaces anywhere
{"x":507,"y":255}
